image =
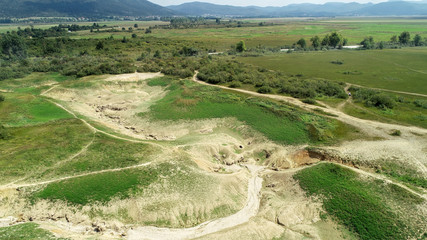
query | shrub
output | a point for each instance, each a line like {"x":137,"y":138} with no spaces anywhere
{"x":381,"y":101}
{"x":396,"y":133}
{"x":235,"y":84}
{"x":309,"y":101}
{"x":421,"y":103}
{"x":2,"y":98}
{"x":264,"y":90}
{"x":4,"y":134}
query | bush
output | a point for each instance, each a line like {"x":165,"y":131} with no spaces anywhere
{"x":2,"y":98}
{"x":235,"y":84}
{"x":381,"y":101}
{"x":372,"y":98}
{"x":264,"y":90}
{"x":396,"y":133}
{"x":4,"y":134}
{"x":309,"y":101}
{"x":421,"y":103}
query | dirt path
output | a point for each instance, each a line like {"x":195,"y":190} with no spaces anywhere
{"x":371,"y":128}
{"x":250,"y":210}
{"x":393,"y":91}
{"x":341,"y":105}
{"x":11,"y":186}
{"x":48,"y":90}
{"x":383,"y":178}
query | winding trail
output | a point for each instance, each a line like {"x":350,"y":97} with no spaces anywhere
{"x":248,"y":211}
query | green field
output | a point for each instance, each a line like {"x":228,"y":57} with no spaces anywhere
{"x":395,"y":69}
{"x":31,"y":149}
{"x":26,"y":231}
{"x":358,"y":204}
{"x":288,"y":31}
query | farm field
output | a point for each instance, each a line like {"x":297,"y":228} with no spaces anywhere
{"x":137,"y":135}
{"x":393,"y":69}
{"x":288,"y":31}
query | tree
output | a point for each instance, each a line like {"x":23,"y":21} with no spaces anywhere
{"x":325,"y":40}
{"x":241,"y":46}
{"x":134,"y":35}
{"x":417,"y":40}
{"x":302,"y":43}
{"x":99,"y":45}
{"x":135,"y":25}
{"x":404,"y":37}
{"x":345,"y":42}
{"x":335,"y":39}
{"x":368,"y":42}
{"x":148,"y":30}
{"x":315,"y":41}
{"x":13,"y":45}
{"x":2,"y":98}
{"x":393,"y":39}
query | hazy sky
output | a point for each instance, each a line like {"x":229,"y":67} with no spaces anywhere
{"x":258,"y":2}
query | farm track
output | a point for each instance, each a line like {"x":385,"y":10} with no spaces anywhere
{"x":392,"y":91}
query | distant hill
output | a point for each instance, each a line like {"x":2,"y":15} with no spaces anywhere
{"x":80,"y":8}
{"x":392,"y":8}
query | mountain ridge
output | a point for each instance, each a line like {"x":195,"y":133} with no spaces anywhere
{"x":391,"y":8}
{"x":80,"y":8}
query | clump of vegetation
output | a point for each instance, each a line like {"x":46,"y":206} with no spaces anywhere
{"x":338,"y":62}
{"x":2,"y":98}
{"x":264,"y":89}
{"x":421,"y":103}
{"x":309,"y":101}
{"x":396,"y":133}
{"x":372,"y":98}
{"x":4,"y":134}
{"x":352,"y":202}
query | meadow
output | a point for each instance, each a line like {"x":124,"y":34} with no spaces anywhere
{"x":392,"y":69}
{"x":358,"y":204}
